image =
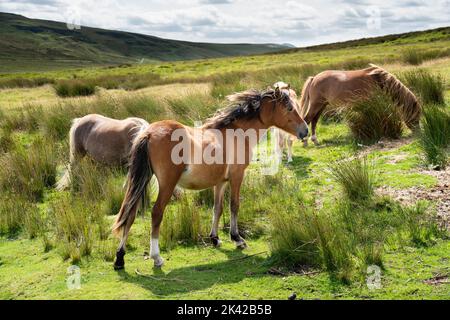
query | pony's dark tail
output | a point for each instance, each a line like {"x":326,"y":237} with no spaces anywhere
{"x":304,"y":99}
{"x":139,"y":175}
{"x":401,"y":95}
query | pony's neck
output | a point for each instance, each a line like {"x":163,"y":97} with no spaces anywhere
{"x":254,"y":124}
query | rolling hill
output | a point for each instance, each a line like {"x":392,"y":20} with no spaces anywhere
{"x":27,"y":41}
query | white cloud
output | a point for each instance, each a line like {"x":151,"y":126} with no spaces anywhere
{"x":298,"y":22}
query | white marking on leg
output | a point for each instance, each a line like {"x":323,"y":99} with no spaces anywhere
{"x":154,"y":252}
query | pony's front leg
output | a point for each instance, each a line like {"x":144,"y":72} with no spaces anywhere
{"x":219,"y":191}
{"x":290,"y":142}
{"x":235,"y":183}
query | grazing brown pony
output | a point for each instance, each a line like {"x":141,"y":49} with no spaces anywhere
{"x":105,"y":140}
{"x":341,"y":88}
{"x":228,"y":138}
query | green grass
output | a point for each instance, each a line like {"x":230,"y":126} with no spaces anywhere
{"x":435,"y":136}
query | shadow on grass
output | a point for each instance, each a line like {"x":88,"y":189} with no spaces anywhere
{"x":192,"y":279}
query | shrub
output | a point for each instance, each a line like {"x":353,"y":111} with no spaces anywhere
{"x":428,"y":87}
{"x":435,"y":135}
{"x":355,"y":177}
{"x":374,"y":117}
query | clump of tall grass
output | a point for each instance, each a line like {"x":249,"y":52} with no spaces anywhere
{"x":435,"y":135}
{"x":346,"y":238}
{"x":374,"y":117}
{"x":25,"y":119}
{"x":74,"y":88}
{"x":29,"y":171}
{"x":294,"y":239}
{"x":227,"y":83}
{"x":183,"y":224}
{"x":24,"y":82}
{"x":193,"y":107}
{"x":75,"y":224}
{"x":18,"y":214}
{"x":417,"y":56}
{"x":6,"y":140}
{"x":356,"y":178}
{"x":429,"y":87}
{"x":420,"y":224}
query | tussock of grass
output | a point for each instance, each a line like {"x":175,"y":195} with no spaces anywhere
{"x":30,"y":171}
{"x":24,"y":82}
{"x":183,"y":224}
{"x":416,"y":56}
{"x":193,"y":107}
{"x":355,"y":177}
{"x":348,"y":237}
{"x":74,"y":224}
{"x":435,"y":135}
{"x":74,"y":88}
{"x":374,"y":117}
{"x":428,"y":87}
{"x":16,"y":214}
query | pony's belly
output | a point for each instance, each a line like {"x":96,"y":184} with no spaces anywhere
{"x":200,"y":177}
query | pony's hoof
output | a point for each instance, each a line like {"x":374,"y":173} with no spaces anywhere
{"x":241,"y":245}
{"x":315,"y":141}
{"x":159,"y":262}
{"x":305,"y":143}
{"x":290,"y":160}
{"x":216,"y":242}
{"x":118,"y":267}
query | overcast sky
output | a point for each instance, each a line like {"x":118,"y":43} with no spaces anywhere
{"x":257,"y":21}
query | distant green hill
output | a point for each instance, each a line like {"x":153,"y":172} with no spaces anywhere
{"x":24,"y":42}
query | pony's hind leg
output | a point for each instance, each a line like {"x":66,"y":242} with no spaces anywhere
{"x":165,"y":193}
{"x":314,"y":122}
{"x":119,"y":263}
{"x":235,"y":183}
{"x":218,"y":209}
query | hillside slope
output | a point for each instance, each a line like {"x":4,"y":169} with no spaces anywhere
{"x":50,"y":42}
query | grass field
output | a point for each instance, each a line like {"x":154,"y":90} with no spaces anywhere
{"x":44,"y":232}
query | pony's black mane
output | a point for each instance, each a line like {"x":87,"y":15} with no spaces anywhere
{"x":242,"y":105}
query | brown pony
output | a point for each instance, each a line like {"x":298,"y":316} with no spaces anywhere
{"x":341,"y":88}
{"x":228,"y":137}
{"x":105,"y":140}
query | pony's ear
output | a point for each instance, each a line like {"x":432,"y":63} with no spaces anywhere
{"x":277,"y":92}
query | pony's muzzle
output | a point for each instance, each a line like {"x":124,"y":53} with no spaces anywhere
{"x":302,"y":131}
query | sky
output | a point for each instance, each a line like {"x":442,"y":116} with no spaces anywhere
{"x":300,"y":23}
